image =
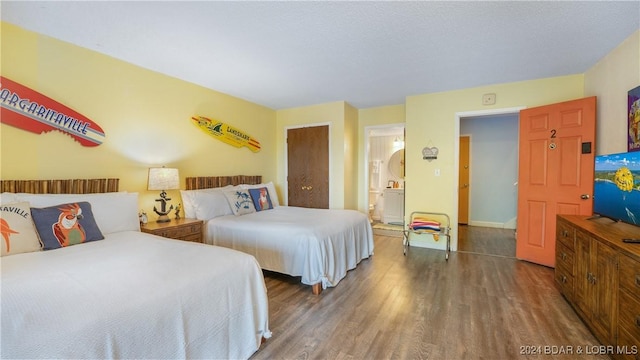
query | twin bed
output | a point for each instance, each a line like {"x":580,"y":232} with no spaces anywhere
{"x":319,"y":245}
{"x":128,"y":295}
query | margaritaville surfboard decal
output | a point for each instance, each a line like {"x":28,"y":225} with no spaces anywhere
{"x":226,"y":133}
{"x":29,"y":110}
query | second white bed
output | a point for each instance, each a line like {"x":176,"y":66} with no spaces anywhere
{"x":319,"y":245}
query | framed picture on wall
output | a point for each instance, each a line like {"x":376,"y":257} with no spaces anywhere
{"x":633,"y":115}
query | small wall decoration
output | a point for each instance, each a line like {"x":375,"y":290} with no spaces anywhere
{"x":430,"y":153}
{"x":226,"y":133}
{"x":633,"y":114}
{"x":29,"y":110}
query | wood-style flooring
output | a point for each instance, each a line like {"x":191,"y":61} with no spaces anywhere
{"x":420,"y":306}
{"x":486,"y":240}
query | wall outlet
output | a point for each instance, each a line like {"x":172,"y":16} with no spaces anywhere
{"x":437,"y":172}
{"x":488,"y":99}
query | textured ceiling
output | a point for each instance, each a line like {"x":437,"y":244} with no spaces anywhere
{"x":289,"y":54}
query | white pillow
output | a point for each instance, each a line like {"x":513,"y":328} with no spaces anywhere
{"x":113,"y":212}
{"x":7,"y":197}
{"x":191,"y":199}
{"x":273,"y":195}
{"x":209,"y":205}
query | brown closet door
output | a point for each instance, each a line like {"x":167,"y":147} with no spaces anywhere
{"x":308,"y":167}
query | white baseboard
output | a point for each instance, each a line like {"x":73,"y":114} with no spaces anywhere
{"x":511,"y":224}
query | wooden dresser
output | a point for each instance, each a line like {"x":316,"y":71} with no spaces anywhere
{"x":600,"y":277}
{"x":180,"y":229}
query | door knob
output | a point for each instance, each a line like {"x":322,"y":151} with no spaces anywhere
{"x":585,"y":196}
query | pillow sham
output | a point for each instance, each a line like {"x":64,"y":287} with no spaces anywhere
{"x":7,"y":197}
{"x":240,"y":201}
{"x":209,"y":205}
{"x":113,"y":212}
{"x":192,"y":199}
{"x":273,"y":195}
{"x":261,"y":199}
{"x":65,"y":225}
{"x":17,"y":230}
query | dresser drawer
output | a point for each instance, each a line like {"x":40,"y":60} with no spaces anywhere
{"x":565,"y":282}
{"x":629,"y":314}
{"x":565,"y":258}
{"x":627,"y":348}
{"x":629,"y":273}
{"x":565,"y":234}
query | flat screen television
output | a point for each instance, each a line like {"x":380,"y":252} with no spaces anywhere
{"x":616,"y":189}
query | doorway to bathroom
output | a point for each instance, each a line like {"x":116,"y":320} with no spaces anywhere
{"x":384,"y":176}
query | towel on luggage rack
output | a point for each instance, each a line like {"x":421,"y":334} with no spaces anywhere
{"x":427,"y":225}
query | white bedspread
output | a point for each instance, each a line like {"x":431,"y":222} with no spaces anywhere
{"x":319,"y":245}
{"x":133,"y":295}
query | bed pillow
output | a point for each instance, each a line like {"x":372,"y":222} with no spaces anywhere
{"x":273,"y":195}
{"x":17,"y":230}
{"x":240,"y":201}
{"x":65,"y":225}
{"x":209,"y":205}
{"x":191,"y":199}
{"x":261,"y":198}
{"x":113,"y":212}
{"x":7,"y":197}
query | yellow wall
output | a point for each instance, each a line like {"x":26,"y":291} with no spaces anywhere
{"x":145,"y":116}
{"x":431,"y":121}
{"x":610,"y":80}
{"x":332,"y":114}
{"x":350,"y":157}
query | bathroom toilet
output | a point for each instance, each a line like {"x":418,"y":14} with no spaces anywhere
{"x":375,"y":205}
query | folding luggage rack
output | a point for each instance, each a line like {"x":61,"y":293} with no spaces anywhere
{"x":430,"y":223}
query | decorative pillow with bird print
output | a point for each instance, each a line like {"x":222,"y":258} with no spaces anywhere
{"x":261,"y":199}
{"x":240,"y":202}
{"x":65,"y":225}
{"x":17,"y":230}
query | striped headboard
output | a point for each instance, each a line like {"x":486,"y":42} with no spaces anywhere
{"x":207,"y":182}
{"x":66,"y":186}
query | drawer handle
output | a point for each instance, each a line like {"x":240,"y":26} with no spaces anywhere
{"x":565,"y":233}
{"x":638,"y":280}
{"x":563,"y":256}
{"x":638,"y":321}
{"x":564,"y":279}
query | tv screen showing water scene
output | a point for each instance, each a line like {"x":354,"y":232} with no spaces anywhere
{"x":616,"y":193}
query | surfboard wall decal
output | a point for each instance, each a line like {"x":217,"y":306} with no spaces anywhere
{"x":226,"y":133}
{"x":29,"y":110}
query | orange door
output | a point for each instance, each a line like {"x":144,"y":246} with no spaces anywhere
{"x":463,"y":182}
{"x":555,"y":173}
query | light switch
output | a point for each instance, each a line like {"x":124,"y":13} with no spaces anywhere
{"x":437,"y":172}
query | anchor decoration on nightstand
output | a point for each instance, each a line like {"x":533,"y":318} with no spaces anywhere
{"x":163,"y":208}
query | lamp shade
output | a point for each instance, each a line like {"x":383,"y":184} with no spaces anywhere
{"x":163,"y":179}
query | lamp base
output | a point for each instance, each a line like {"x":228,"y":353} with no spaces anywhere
{"x":163,"y":219}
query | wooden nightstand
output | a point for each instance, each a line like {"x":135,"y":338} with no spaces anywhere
{"x":181,"y":229}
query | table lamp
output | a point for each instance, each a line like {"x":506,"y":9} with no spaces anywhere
{"x":163,"y":179}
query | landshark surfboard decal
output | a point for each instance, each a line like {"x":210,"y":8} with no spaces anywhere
{"x":226,"y":133}
{"x":30,"y":110}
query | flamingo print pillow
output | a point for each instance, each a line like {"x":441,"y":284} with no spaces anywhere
{"x":65,"y":225}
{"x":16,"y":229}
